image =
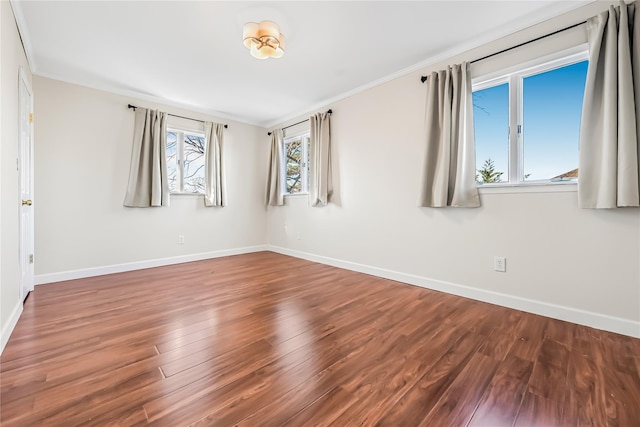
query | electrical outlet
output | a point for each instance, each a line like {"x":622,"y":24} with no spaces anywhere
{"x":500,"y":263}
{"x":181,"y":239}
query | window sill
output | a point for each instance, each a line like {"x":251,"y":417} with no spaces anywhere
{"x":186,"y":194}
{"x":539,"y":187}
{"x":296,"y":196}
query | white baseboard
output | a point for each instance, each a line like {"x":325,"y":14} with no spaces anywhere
{"x":41,"y":279}
{"x":569,"y":314}
{"x":11,"y":324}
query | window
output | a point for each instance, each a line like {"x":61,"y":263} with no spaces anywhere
{"x":185,"y":161}
{"x":527,"y":123}
{"x":296,"y":153}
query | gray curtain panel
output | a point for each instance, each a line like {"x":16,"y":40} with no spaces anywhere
{"x":275,"y":180}
{"x":609,"y":152}
{"x":449,"y":175}
{"x":148,"y":184}
{"x":320,"y":180}
{"x":214,"y":176}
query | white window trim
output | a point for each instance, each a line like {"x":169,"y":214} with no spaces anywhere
{"x":554,"y":60}
{"x":529,"y":187}
{"x":180,"y":131}
{"x":304,"y":173}
{"x":515,"y":76}
{"x":296,"y":195}
{"x":185,"y":194}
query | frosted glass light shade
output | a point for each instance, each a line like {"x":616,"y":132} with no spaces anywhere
{"x":281,"y":42}
{"x":268,"y":29}
{"x":258,"y":53}
{"x":249,"y":33}
{"x":268,"y":50}
{"x":277,"y":52}
{"x":263,"y":39}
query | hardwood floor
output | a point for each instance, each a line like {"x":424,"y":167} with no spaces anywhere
{"x":267,"y":340}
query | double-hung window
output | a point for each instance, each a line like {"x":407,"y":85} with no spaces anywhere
{"x":296,"y":161}
{"x":527,"y":122}
{"x":185,"y":161}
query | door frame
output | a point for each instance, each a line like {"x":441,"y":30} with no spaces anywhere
{"x":25,"y":248}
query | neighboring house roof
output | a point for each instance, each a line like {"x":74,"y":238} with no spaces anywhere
{"x":567,"y":175}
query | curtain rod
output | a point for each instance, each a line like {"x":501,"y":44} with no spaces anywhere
{"x":424,"y":78}
{"x":133,"y":107}
{"x":296,"y":124}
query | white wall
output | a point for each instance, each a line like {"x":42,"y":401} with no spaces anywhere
{"x":11,"y":58}
{"x":562,"y":261}
{"x":82,"y":155}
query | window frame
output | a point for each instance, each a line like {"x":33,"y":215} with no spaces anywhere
{"x":180,"y":136}
{"x":304,"y":169}
{"x":514,"y":76}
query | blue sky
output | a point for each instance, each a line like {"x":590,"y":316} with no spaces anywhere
{"x":552,"y":108}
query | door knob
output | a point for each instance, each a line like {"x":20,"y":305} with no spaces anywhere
{"x":26,"y":202}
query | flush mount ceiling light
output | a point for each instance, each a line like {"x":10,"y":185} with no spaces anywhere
{"x":264,"y":40}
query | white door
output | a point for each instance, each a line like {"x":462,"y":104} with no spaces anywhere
{"x":26,"y":186}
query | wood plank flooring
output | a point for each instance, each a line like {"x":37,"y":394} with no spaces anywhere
{"x":268,"y":340}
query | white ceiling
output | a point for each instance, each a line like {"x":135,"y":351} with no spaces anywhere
{"x":190,"y":54}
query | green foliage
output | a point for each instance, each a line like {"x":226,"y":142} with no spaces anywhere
{"x":488,"y":173}
{"x":294,"y":162}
